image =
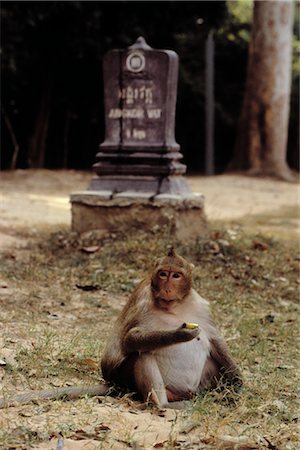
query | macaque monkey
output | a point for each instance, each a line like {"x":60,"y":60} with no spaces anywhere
{"x":157,"y":349}
{"x":164,"y":344}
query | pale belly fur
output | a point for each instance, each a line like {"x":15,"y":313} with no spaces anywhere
{"x":181,"y":365}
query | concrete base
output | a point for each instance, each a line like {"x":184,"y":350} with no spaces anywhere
{"x":182,"y":215}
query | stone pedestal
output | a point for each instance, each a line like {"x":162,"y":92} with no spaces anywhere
{"x":181,"y":215}
{"x":139,"y":180}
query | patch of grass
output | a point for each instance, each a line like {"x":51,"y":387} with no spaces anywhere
{"x":21,"y":436}
{"x":251,"y":281}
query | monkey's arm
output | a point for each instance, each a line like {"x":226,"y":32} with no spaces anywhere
{"x":140,"y":339}
{"x":228,"y":368}
{"x":63,"y":392}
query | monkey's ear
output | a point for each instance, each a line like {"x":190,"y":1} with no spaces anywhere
{"x":192,"y":266}
{"x":171,"y":252}
{"x":158,"y":262}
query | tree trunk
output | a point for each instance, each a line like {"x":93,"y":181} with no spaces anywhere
{"x":9,"y":126}
{"x":263,"y":129}
{"x":37,"y":142}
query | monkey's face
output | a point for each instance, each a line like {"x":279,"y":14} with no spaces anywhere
{"x":170,"y":284}
{"x":171,"y":279}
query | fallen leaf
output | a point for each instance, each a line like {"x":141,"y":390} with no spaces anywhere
{"x":283,"y":280}
{"x":82,"y":435}
{"x":88,"y":287}
{"x":270,"y":445}
{"x":91,"y":249}
{"x":160,"y":444}
{"x":214,"y":247}
{"x":90,"y":363}
{"x":2,"y":374}
{"x":269,"y":318}
{"x":285,"y":367}
{"x":190,"y":427}
{"x":258,"y":245}
{"x":53,"y":316}
{"x":7,"y":357}
{"x":102,"y":427}
{"x":25,"y":414}
{"x":215,"y":235}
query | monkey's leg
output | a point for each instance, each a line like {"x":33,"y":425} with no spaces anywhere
{"x":227,"y":367}
{"x":149,"y":381}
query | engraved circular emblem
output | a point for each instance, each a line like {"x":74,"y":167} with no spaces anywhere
{"x":135,"y":62}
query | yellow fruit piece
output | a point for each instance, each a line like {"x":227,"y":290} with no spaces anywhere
{"x":191,"y":326}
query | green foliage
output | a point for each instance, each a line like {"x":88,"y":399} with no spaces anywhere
{"x":296,"y":60}
{"x":241,"y":11}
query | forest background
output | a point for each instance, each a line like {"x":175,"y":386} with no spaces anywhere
{"x":52,"y":96}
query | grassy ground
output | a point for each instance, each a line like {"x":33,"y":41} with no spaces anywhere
{"x":59,"y":295}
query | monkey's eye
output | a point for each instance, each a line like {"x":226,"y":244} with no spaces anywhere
{"x":176,"y":275}
{"x":162,"y":274}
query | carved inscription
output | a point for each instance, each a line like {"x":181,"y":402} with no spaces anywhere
{"x":154,"y":113}
{"x":140,"y":97}
{"x":134,"y":113}
{"x":135,"y":134}
{"x":138,"y":104}
{"x":130,"y":94}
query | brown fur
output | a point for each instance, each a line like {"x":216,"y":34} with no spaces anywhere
{"x":151,"y":322}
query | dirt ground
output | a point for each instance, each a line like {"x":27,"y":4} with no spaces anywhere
{"x":37,"y":199}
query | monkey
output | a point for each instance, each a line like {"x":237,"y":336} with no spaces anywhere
{"x":155,"y":348}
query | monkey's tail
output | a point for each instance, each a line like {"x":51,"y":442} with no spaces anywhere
{"x":67,"y":393}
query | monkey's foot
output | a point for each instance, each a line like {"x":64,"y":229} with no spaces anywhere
{"x":175,"y":397}
{"x":153,"y":398}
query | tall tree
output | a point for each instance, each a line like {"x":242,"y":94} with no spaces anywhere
{"x":263,"y":129}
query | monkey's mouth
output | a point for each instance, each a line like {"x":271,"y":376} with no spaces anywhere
{"x":162,"y":301}
{"x":167,"y":296}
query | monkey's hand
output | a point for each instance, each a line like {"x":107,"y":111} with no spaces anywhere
{"x":186,"y":333}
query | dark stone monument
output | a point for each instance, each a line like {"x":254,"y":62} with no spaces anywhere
{"x":139,"y":152}
{"x":139,"y":180}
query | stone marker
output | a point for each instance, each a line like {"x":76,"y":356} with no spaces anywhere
{"x":139,"y":180}
{"x":139,"y":152}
